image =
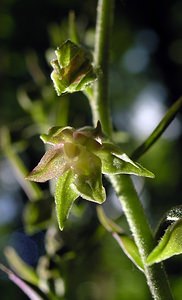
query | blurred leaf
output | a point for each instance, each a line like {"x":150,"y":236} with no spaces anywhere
{"x":126,"y":243}
{"x":120,"y":137}
{"x":49,"y":273}
{"x":64,"y":197}
{"x":108,"y":224}
{"x":37,"y":112}
{"x":53,"y":240}
{"x":169,"y":245}
{"x":32,"y":295}
{"x":130,"y":249}
{"x":20,"y":267}
{"x":31,"y":189}
{"x":73,"y":31}
{"x":37,"y":215}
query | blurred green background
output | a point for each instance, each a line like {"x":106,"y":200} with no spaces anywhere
{"x":145,"y":79}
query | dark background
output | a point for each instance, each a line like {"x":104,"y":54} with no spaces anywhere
{"x":145,"y":79}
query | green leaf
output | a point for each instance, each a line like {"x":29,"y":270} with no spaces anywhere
{"x":20,"y":267}
{"x":130,"y":249}
{"x":107,"y":223}
{"x":64,"y":197}
{"x":73,"y":70}
{"x":169,"y":245}
{"x":172,"y":215}
{"x":126,"y":243}
{"x":51,"y":165}
{"x":121,"y":164}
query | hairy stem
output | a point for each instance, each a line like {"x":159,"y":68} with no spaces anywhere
{"x":155,"y":275}
{"x":134,"y":212}
{"x":99,"y":102}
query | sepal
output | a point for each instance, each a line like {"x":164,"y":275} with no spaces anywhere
{"x":51,"y":165}
{"x":119,"y":163}
{"x":64,"y":197}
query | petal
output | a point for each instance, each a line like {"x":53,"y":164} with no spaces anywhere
{"x":90,"y":188}
{"x":51,"y":165}
{"x":88,"y":177}
{"x":87,"y":163}
{"x":57,"y":135}
{"x":71,"y":151}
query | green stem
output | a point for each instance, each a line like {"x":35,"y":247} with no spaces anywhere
{"x":134,"y":212}
{"x":155,"y":275}
{"x":99,"y":102}
{"x":158,"y":131}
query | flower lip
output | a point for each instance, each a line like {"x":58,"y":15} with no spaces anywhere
{"x":71,"y":150}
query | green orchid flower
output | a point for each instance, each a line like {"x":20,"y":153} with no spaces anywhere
{"x":77,"y":159}
{"x":72,"y":68}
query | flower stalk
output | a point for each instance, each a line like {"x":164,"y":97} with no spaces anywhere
{"x":155,"y":275}
{"x":99,"y":102}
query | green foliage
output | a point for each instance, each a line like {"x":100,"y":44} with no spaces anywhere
{"x":126,"y":243}
{"x":108,"y":224}
{"x":169,"y":245}
{"x":130,"y":249}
